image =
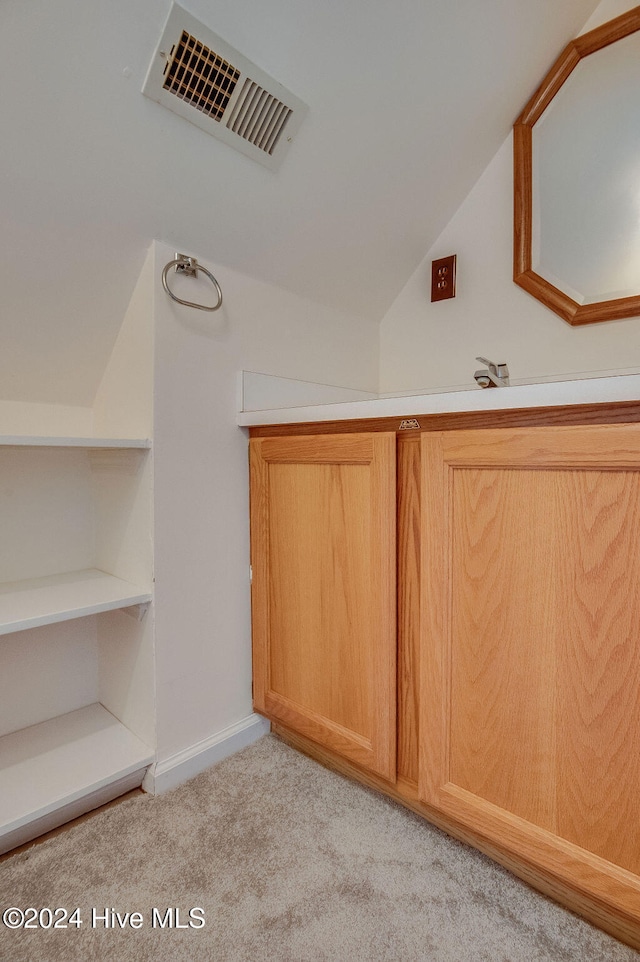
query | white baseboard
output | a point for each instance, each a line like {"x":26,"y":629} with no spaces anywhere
{"x":191,"y":761}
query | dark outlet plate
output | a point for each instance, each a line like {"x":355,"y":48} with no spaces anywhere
{"x":443,"y":278}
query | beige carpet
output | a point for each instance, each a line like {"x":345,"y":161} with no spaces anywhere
{"x":290,"y":863}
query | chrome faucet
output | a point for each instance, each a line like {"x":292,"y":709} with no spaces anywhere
{"x":494,"y":375}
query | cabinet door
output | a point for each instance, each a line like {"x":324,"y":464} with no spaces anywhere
{"x":530,"y":658}
{"x":323,"y":594}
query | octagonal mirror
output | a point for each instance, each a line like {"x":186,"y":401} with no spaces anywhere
{"x":577,"y":179}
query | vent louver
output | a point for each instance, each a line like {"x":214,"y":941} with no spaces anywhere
{"x":259,"y":117}
{"x":199,"y":76}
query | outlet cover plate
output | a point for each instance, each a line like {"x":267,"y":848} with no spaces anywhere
{"x":443,"y":278}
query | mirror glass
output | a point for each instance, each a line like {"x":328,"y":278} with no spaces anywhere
{"x":585,"y":232}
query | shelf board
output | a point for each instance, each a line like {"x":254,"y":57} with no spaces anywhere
{"x":28,"y":440}
{"x":44,"y":601}
{"x":51,"y":767}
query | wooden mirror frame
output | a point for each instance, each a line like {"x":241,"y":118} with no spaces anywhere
{"x":523,"y":274}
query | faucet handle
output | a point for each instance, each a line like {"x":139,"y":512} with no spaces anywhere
{"x":490,"y":364}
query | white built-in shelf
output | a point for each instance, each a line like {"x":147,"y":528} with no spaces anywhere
{"x":28,"y":440}
{"x":58,"y":769}
{"x":44,"y":601}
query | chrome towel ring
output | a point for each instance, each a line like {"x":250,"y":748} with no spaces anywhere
{"x":189,"y":265}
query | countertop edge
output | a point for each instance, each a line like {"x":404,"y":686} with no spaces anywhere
{"x":589,"y":391}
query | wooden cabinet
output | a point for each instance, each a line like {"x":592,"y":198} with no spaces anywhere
{"x":518,"y":671}
{"x":323,"y":560}
{"x":530,"y":675}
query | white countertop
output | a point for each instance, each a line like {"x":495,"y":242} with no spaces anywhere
{"x":589,"y":391}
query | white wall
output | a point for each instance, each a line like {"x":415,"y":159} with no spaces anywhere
{"x":47,"y":672}
{"x":123,"y":405}
{"x":24,"y":417}
{"x":424,"y":345}
{"x":47,"y":525}
{"x":202,"y":608}
{"x":92,"y":170}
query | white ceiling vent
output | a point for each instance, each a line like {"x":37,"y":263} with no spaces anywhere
{"x":200,"y":77}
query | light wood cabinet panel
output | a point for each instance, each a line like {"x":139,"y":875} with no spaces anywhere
{"x":530,"y":658}
{"x":323,"y":593}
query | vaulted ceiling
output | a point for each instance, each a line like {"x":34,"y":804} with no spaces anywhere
{"x":408,"y":101}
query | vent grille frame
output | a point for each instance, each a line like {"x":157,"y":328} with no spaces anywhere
{"x":199,"y":76}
